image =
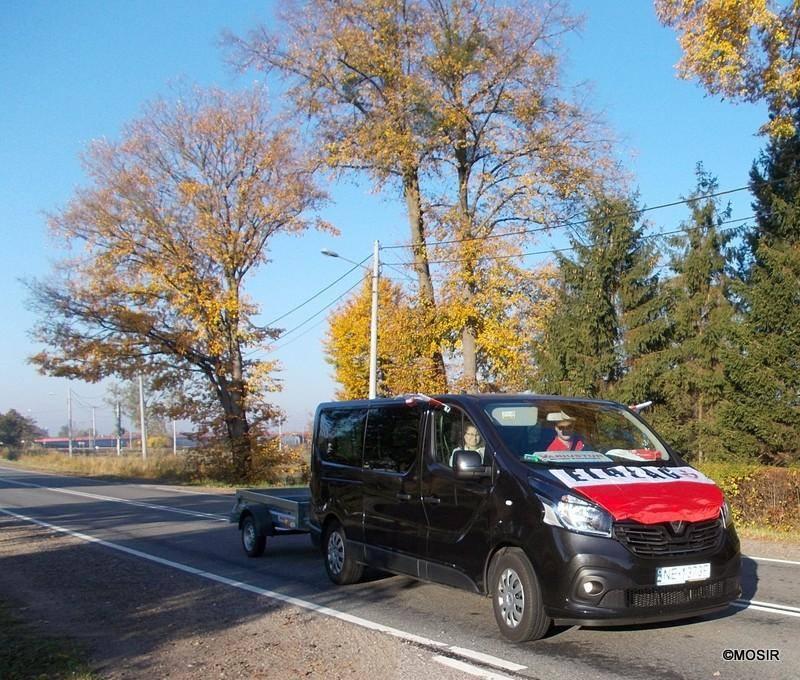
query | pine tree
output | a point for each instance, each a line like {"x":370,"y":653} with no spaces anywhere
{"x":765,"y":371}
{"x":609,"y":317}
{"x":694,"y":386}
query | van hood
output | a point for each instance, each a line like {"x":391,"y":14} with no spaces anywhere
{"x":646,"y":494}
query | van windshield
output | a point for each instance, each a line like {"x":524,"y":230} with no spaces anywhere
{"x":551,"y":432}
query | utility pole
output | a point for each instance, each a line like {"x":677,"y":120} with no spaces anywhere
{"x":69,"y":418}
{"x":119,"y":430}
{"x":174,"y":439}
{"x":373,"y":327}
{"x":143,"y":425}
{"x":94,"y":430}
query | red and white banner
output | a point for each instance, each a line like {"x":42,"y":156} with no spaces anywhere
{"x":647,"y":494}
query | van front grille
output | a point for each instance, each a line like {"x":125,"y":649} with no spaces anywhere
{"x":669,"y":539}
{"x":674,"y":596}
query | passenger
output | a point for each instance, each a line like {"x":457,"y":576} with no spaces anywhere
{"x":472,"y":442}
{"x":566,"y":439}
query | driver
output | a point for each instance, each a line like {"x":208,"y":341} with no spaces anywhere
{"x":566,"y":439}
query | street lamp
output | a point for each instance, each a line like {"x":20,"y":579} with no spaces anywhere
{"x":373,"y":327}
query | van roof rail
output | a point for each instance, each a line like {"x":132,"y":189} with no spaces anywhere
{"x":412,"y":399}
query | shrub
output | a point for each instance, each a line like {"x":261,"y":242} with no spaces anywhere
{"x":759,"y":495}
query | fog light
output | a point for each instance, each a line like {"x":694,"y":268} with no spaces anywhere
{"x":592,"y":587}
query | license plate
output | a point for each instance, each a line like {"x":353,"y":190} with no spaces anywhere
{"x":670,"y":576}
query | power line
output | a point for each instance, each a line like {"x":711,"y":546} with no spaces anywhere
{"x":555,"y":251}
{"x":565,"y":224}
{"x":320,"y":292}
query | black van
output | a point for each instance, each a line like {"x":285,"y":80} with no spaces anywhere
{"x":570,"y":511}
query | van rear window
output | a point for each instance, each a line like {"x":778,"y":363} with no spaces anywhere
{"x":340,"y":438}
{"x":392,"y":438}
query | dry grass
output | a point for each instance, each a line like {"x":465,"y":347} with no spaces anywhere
{"x":159,"y":465}
{"x":197,"y":467}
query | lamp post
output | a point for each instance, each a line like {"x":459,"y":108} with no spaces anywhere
{"x":373,"y":326}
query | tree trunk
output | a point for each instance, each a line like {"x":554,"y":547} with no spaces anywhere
{"x":427,"y":298}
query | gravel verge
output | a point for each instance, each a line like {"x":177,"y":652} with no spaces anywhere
{"x":138,"y":620}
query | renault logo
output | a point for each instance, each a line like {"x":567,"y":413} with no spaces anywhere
{"x":677,"y":527}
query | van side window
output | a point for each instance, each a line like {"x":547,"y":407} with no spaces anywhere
{"x":341,"y":436}
{"x":454,"y":431}
{"x":392,"y":438}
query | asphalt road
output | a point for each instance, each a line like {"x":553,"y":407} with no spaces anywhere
{"x":187,"y":532}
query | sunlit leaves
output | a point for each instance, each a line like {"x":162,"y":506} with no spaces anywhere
{"x":177,"y":214}
{"x":742,"y":49}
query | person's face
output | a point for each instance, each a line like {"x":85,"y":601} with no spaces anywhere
{"x":471,"y":437}
{"x":564,"y":430}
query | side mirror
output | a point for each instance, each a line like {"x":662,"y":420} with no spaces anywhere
{"x":469,"y":465}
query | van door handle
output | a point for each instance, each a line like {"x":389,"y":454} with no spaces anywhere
{"x":434,"y":500}
{"x":403,"y":496}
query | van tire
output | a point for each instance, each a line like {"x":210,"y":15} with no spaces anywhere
{"x":339,"y":563}
{"x":253,"y":541}
{"x":517,"y":597}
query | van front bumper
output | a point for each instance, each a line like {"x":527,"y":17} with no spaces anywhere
{"x":624,"y":589}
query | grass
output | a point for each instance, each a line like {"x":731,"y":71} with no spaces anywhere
{"x":27,"y":654}
{"x":160,"y":466}
{"x":163,"y":466}
{"x":769,"y":534}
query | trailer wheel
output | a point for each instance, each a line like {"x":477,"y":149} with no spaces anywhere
{"x":253,"y":542}
{"x":517,"y":597}
{"x":339,"y":563}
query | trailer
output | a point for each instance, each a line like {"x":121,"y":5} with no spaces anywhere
{"x":260,"y":513}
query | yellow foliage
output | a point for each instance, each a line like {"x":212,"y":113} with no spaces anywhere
{"x":743,"y":49}
{"x":406,"y":335}
{"x":178,"y":213}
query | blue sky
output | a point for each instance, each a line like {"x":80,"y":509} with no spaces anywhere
{"x":74,"y":71}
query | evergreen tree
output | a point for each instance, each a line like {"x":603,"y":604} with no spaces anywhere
{"x":609,"y":316}
{"x":694,"y":386}
{"x":765,"y":371}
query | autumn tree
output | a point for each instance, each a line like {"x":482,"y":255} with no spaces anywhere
{"x":694,"y":387}
{"x":177,"y":215}
{"x":458,"y":101}
{"x":609,"y":321}
{"x":744,"y":50}
{"x":517,"y":152}
{"x":353,"y":68}
{"x":404,"y":364}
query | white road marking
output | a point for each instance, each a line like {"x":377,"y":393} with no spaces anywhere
{"x":294,"y":601}
{"x":770,"y":607}
{"x":113,"y":499}
{"x":771,"y":559}
{"x":470,"y":669}
{"x":160,"y":487}
{"x":487,"y":659}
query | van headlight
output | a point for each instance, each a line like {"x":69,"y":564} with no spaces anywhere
{"x":725,"y":515}
{"x":576,"y":514}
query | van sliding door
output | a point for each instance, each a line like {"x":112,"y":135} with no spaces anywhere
{"x":394,"y":522}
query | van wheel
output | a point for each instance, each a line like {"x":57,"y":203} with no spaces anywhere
{"x":517,"y":597}
{"x":339,"y":563}
{"x":252,"y":541}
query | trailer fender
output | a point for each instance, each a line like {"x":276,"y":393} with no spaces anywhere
{"x":262,"y":517}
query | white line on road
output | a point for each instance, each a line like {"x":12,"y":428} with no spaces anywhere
{"x":113,"y":499}
{"x":771,"y":607}
{"x":294,"y":601}
{"x":160,"y":487}
{"x":771,"y":559}
{"x":470,"y":669}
